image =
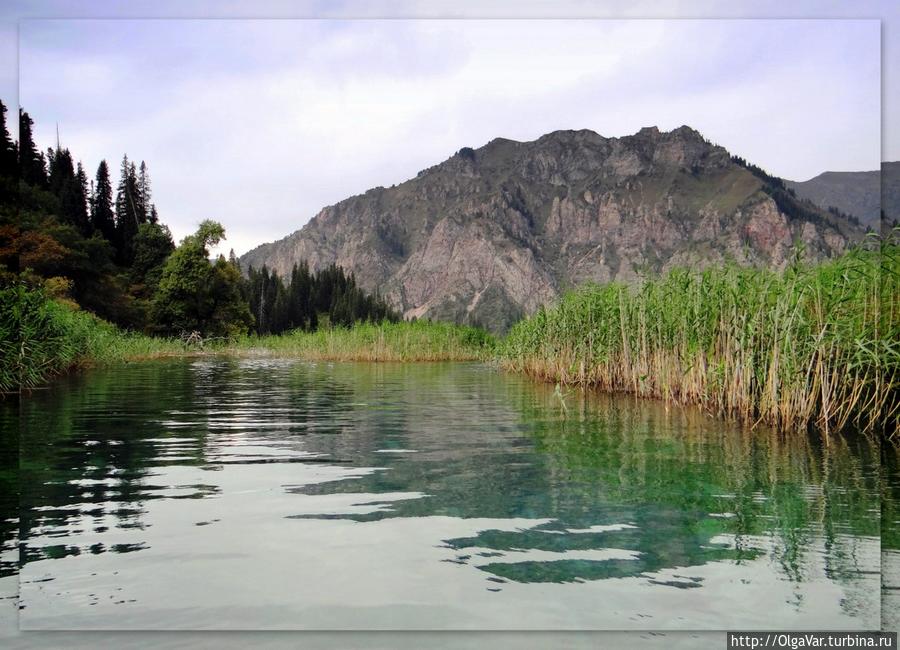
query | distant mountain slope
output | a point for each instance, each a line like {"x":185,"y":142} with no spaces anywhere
{"x":494,"y":233}
{"x":856,"y":193}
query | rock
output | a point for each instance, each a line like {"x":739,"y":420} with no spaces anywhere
{"x":491,"y":234}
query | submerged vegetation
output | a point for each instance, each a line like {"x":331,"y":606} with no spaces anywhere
{"x":814,"y":346}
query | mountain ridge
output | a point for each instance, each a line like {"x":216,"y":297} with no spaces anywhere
{"x":863,"y":194}
{"x":493,"y":233}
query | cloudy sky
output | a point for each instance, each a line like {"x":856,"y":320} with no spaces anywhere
{"x":261,"y":123}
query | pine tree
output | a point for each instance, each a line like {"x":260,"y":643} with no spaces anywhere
{"x":300,"y":290}
{"x":9,"y":165}
{"x":145,"y":208}
{"x":127,"y":220}
{"x":31,"y":161}
{"x":102,"y":218}
{"x":59,"y":170}
{"x":70,"y":187}
{"x":80,"y":191}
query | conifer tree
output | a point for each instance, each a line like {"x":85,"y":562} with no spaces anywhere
{"x":31,"y":161}
{"x":80,"y":197}
{"x":145,"y":207}
{"x":70,"y":187}
{"x":102,"y":217}
{"x":127,"y":220}
{"x":60,"y":169}
{"x":9,"y":166}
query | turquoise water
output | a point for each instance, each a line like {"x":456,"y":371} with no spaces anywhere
{"x":262,"y":493}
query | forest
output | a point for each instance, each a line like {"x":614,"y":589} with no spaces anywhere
{"x":82,"y":240}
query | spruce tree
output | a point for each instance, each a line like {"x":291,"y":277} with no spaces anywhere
{"x":80,"y":193}
{"x":31,"y":161}
{"x":70,"y":187}
{"x":9,"y":166}
{"x":60,"y":170}
{"x":102,"y":218}
{"x":127,"y":220}
{"x":144,"y":204}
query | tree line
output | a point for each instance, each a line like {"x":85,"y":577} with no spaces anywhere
{"x":787,"y":200}
{"x":300,"y":304}
{"x":103,"y":249}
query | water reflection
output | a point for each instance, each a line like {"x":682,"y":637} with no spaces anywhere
{"x":9,"y":484}
{"x":432,"y":495}
{"x":890,"y":537}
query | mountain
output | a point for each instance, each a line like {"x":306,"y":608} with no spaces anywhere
{"x":493,"y":233}
{"x":856,"y":193}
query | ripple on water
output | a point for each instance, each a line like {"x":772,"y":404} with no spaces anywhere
{"x":275,"y":493}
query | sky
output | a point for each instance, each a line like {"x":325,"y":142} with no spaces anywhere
{"x":261,"y":123}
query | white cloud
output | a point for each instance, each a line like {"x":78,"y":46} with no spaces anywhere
{"x":260,"y":124}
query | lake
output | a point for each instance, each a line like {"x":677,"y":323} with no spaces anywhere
{"x":261,"y":493}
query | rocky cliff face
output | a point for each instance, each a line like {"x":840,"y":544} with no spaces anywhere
{"x":493,"y":233}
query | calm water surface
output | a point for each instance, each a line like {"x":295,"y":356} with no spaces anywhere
{"x":261,"y":493}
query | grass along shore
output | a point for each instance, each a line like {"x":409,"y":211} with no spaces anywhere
{"x":41,"y":337}
{"x":402,"y":341}
{"x":815,"y":346}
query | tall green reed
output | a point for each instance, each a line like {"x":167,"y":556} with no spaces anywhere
{"x":41,"y":337}
{"x":386,"y":341}
{"x":813,"y":346}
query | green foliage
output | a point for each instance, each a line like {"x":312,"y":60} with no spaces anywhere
{"x":152,"y":246}
{"x":786,"y":199}
{"x":814,"y":346}
{"x":102,"y":216}
{"x":31,"y":162}
{"x":209,"y":233}
{"x":9,"y":153}
{"x":308,"y":298}
{"x":127,"y":215}
{"x":195,"y":295}
{"x":41,"y":337}
{"x":384,"y":341}
{"x":70,"y":188}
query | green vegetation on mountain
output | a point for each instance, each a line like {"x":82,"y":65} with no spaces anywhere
{"x":871,"y":196}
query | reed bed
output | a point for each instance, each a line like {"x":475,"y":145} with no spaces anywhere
{"x":41,"y":337}
{"x":386,"y":341}
{"x":811,"y":347}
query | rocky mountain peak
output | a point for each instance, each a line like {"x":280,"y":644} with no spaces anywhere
{"x":494,"y":232}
